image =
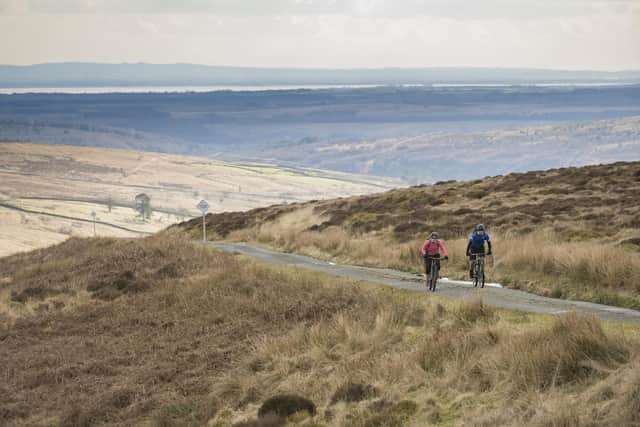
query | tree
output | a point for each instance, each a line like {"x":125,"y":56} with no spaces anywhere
{"x":143,"y":205}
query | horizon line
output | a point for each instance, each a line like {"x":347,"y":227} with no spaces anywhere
{"x":254,"y":67}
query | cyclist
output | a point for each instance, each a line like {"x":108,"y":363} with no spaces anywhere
{"x":432,"y":248}
{"x":475,"y":246}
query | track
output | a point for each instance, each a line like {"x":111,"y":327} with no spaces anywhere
{"x":73,"y":218}
{"x":494,"y":296}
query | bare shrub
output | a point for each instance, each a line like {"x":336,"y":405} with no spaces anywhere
{"x":286,"y":404}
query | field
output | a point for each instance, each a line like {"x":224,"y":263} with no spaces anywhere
{"x":23,"y":232}
{"x":571,"y":232}
{"x":163,"y":332}
{"x":74,"y":181}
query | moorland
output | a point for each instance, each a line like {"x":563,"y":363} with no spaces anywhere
{"x":568,"y":232}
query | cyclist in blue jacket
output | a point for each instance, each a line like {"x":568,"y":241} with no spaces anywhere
{"x":475,"y":246}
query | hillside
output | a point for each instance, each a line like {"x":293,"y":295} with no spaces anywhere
{"x":418,"y":134}
{"x":468,"y":155}
{"x":162,"y":332}
{"x":569,"y":232}
{"x":68,"y":181}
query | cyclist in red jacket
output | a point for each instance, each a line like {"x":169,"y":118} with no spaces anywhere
{"x":432,"y":248}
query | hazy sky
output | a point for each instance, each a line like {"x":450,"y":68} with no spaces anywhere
{"x":563,"y":34}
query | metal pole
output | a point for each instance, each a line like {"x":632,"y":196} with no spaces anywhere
{"x":203,"y":206}
{"x":204,"y":229}
{"x":93,"y":215}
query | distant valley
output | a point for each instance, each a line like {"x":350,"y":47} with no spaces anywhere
{"x":383,"y":131}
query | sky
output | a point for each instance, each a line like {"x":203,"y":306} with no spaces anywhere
{"x":552,"y":34}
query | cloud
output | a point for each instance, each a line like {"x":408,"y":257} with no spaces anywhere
{"x":570,"y":34}
{"x":454,"y":9}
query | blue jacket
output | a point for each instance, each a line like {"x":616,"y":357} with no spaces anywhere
{"x":476,"y":241}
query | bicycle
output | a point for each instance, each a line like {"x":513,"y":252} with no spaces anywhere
{"x":435,"y":271}
{"x":478,"y":271}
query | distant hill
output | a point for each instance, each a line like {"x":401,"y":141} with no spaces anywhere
{"x":140,"y":74}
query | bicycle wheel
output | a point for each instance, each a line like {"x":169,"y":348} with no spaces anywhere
{"x":434,"y":276}
{"x":476,"y":268}
{"x":482,"y":275}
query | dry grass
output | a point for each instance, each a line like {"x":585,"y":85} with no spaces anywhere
{"x":154,"y":320}
{"x":162,"y":332}
{"x":591,"y":270}
{"x":431,"y":364}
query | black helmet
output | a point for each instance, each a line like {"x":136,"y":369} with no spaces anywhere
{"x":480,"y":227}
{"x":434,"y":234}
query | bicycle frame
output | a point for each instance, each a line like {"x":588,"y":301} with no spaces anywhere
{"x":478,"y":267}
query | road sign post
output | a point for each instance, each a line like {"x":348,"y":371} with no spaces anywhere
{"x":93,"y":215}
{"x":203,"y":206}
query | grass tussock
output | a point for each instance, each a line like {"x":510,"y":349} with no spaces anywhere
{"x":571,"y":349}
{"x":593,"y":264}
{"x":423,"y":373}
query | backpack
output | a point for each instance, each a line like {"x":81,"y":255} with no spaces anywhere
{"x":428,"y":246}
{"x":477,"y":240}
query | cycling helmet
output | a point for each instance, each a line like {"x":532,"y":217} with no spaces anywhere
{"x":480,"y":227}
{"x":434,"y":235}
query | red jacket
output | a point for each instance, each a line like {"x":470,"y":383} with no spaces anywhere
{"x":434,"y":248}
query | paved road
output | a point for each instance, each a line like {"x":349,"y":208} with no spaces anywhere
{"x":73,"y":218}
{"x":495,"y":296}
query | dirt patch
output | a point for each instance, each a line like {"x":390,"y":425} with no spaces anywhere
{"x":113,"y":286}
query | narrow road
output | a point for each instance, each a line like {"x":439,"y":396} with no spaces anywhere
{"x":495,"y":296}
{"x":73,"y":218}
